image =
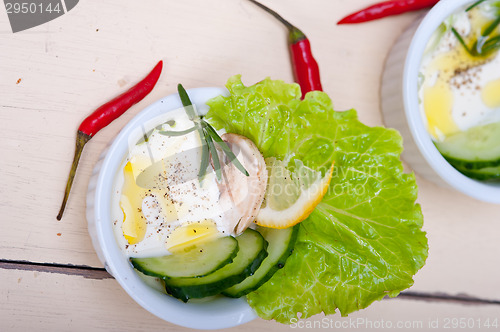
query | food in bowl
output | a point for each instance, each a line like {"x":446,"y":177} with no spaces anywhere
{"x":165,"y":207}
{"x":459,"y":89}
{"x":341,"y":227}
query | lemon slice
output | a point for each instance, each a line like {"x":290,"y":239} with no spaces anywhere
{"x":292,"y":193}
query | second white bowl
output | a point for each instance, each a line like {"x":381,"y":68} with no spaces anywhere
{"x":400,"y":106}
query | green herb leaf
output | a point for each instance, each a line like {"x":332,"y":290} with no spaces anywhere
{"x":461,"y":41}
{"x":215,"y":157}
{"x":366,"y":231}
{"x":179,"y":133}
{"x":204,"y":160}
{"x":491,"y":45}
{"x":491,"y":27}
{"x":186,"y":102}
{"x":209,"y":135}
{"x":477,"y":3}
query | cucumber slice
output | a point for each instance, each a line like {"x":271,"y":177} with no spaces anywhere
{"x":196,"y":261}
{"x":482,"y":174}
{"x":476,"y":148}
{"x":251,"y":254}
{"x":281,"y":243}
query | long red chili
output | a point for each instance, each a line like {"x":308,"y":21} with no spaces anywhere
{"x":386,"y":8}
{"x":305,"y":68}
{"x":103,"y":116}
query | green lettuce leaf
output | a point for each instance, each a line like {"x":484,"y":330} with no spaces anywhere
{"x":272,"y":115}
{"x":364,"y":240}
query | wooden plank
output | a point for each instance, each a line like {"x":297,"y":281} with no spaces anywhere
{"x":71,"y":65}
{"x":58,"y":302}
{"x":100,"y":273}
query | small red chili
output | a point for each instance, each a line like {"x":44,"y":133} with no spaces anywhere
{"x":103,"y":116}
{"x":386,"y":8}
{"x":305,"y":68}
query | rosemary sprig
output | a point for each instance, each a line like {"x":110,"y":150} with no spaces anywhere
{"x":205,"y":159}
{"x":209,"y":137}
{"x":492,"y":27}
{"x":461,"y":40}
{"x":491,"y":45}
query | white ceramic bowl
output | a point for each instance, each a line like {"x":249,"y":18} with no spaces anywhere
{"x":400,"y":107}
{"x":214,"y":314}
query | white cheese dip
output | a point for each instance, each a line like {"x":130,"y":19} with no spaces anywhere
{"x":158,"y":203}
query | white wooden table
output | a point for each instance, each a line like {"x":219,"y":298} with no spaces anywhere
{"x":53,"y":75}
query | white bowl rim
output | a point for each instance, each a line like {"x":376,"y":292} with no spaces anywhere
{"x":192,"y":315}
{"x":488,"y":192}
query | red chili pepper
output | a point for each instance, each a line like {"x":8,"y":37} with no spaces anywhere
{"x":386,"y":8}
{"x":103,"y":116}
{"x":305,"y":67}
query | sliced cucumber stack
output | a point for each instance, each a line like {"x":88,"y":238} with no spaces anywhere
{"x":281,"y":243}
{"x":252,"y":251}
{"x":196,"y":261}
{"x":473,"y":149}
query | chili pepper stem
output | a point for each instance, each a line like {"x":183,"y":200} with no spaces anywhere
{"x":295,"y":34}
{"x":305,"y":68}
{"x":81,"y":140}
{"x":275,"y":14}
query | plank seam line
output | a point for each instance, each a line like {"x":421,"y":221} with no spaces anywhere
{"x":100,"y":273}
{"x":68,"y":269}
{"x":71,"y":266}
{"x":443,"y":297}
